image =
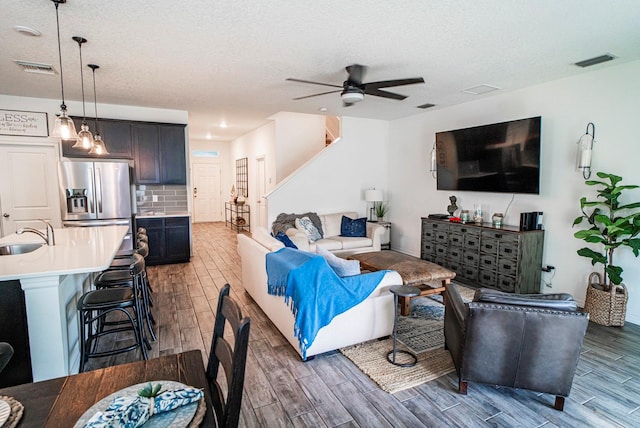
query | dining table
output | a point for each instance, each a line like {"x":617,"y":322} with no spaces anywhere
{"x":62,"y":401}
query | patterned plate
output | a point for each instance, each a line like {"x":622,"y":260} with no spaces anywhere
{"x":5,"y":412}
{"x":178,"y":418}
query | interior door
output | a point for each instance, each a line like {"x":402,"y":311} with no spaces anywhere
{"x":207,"y":189}
{"x":261,"y":191}
{"x":28,"y":186}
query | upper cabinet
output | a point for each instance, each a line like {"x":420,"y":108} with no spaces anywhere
{"x":159,"y":153}
{"x":116,"y":135}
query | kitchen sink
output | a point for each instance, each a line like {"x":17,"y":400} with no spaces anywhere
{"x":12,"y":249}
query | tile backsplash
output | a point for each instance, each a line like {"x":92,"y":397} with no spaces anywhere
{"x":164,"y":198}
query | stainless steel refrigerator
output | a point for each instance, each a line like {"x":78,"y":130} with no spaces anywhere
{"x":96,"y":194}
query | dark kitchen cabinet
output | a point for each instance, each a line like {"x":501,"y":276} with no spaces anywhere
{"x":116,"y":135}
{"x":159,"y":154}
{"x":13,"y":330}
{"x":169,"y":239}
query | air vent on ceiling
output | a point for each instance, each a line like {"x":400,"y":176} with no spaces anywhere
{"x":34,"y":67}
{"x":480,"y":89}
{"x":427,"y":105}
{"x":595,"y":60}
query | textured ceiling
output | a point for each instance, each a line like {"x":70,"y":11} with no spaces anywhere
{"x":227,"y":60}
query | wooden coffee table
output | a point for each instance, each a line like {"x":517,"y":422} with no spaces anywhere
{"x":414,"y":271}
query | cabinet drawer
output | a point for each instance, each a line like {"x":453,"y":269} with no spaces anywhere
{"x":150,"y":223}
{"x":507,"y":283}
{"x":428,"y":248}
{"x":428,"y":234}
{"x":487,"y":278}
{"x":469,"y":273}
{"x":503,"y":237}
{"x":438,"y":226}
{"x":455,"y":254}
{"x":471,"y":241}
{"x":440,"y":261}
{"x":176,"y":221}
{"x":442,"y":237}
{"x":441,"y":251}
{"x":489,"y":246}
{"x":488,"y":261}
{"x":507,"y":267}
{"x":470,"y":258}
{"x":456,"y":239}
{"x":508,"y":250}
{"x":454,"y":265}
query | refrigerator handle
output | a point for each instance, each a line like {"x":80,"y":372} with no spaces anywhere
{"x":91,"y":199}
{"x":99,"y":188}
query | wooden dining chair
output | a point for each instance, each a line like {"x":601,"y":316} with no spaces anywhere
{"x":232,"y":358}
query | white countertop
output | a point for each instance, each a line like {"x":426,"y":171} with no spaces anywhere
{"x":154,"y":214}
{"x":77,"y":250}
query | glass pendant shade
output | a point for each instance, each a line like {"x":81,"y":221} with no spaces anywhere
{"x":64,"y":127}
{"x":85,"y":139}
{"x":98,"y":147}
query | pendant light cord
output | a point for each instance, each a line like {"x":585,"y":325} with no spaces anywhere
{"x":95,"y":98}
{"x":84,"y":113}
{"x":62,"y":106}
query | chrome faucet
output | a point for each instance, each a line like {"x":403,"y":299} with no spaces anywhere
{"x":49,"y":238}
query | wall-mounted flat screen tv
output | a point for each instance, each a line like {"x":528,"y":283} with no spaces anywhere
{"x":500,"y":157}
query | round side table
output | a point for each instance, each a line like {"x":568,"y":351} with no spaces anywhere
{"x":401,"y":291}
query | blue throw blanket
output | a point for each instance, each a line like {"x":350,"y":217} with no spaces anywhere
{"x":314,"y":291}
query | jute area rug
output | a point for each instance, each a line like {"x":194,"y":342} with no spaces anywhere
{"x":422,"y":332}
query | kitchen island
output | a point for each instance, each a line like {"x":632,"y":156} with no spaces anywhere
{"x":53,"y":278}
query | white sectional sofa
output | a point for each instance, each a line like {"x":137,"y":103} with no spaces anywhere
{"x":370,"y":319}
{"x":332,"y":241}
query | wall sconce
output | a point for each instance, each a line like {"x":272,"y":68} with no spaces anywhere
{"x":433,"y":167}
{"x":373,"y":196}
{"x":585,"y":151}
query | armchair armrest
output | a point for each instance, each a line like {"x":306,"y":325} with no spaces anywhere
{"x":557,"y":301}
{"x":375,"y":233}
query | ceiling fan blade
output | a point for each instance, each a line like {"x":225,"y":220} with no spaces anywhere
{"x":384,"y":94}
{"x":313,"y":83}
{"x":398,"y":82}
{"x":356,"y":73}
{"x":315,"y":95}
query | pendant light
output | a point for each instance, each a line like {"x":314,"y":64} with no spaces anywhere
{"x":98,"y":145}
{"x":63,"y":127}
{"x":85,"y":139}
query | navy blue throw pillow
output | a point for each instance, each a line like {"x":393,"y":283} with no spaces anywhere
{"x":285,"y":240}
{"x":353,"y":228}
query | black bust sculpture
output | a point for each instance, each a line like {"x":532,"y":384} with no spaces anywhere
{"x":452,"y":207}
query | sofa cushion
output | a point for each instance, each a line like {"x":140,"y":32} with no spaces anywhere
{"x":262,"y":236}
{"x":342,"y":267}
{"x":353,"y":228}
{"x":285,"y":240}
{"x":331,"y":223}
{"x":329,"y":244}
{"x":347,"y":243}
{"x":285,"y":221}
{"x":304,"y":224}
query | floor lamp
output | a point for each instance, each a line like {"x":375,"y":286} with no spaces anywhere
{"x":373,"y":195}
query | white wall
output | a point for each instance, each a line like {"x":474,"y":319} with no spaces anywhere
{"x":298,"y":138}
{"x":335,"y":180}
{"x":609,"y":97}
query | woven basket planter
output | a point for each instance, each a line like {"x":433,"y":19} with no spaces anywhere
{"x":607,"y":308}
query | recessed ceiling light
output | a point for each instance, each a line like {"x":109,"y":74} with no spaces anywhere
{"x":427,"y":105}
{"x":27,"y":31}
{"x":223,"y":124}
{"x":480,"y":89}
{"x":208,"y":137}
{"x":322,"y":109}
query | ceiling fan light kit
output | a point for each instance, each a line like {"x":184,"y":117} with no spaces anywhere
{"x":354,"y":89}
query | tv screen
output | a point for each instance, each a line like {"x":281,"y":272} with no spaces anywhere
{"x":500,"y":157}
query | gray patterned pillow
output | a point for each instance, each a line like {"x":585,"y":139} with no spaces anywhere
{"x":304,"y":224}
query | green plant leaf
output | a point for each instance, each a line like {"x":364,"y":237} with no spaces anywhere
{"x":614,"y":273}
{"x":578,"y":220}
{"x":594,"y":256}
{"x":635,"y":245}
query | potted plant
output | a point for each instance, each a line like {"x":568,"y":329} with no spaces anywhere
{"x":381,"y":209}
{"x":610,"y":226}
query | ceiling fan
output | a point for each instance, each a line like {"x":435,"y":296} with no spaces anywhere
{"x":354,"y":89}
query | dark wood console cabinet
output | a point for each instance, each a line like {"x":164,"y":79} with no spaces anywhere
{"x":505,"y":258}
{"x":169,"y":239}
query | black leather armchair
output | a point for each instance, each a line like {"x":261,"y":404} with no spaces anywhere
{"x":528,"y":341}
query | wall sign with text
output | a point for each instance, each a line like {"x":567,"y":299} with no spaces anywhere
{"x":24,"y":123}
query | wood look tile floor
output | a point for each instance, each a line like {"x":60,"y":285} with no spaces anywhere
{"x":329,"y":391}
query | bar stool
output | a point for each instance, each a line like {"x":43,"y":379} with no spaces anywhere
{"x":95,"y":306}
{"x":134,"y":278}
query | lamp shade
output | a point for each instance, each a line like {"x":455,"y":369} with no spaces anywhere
{"x":373,"y":195}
